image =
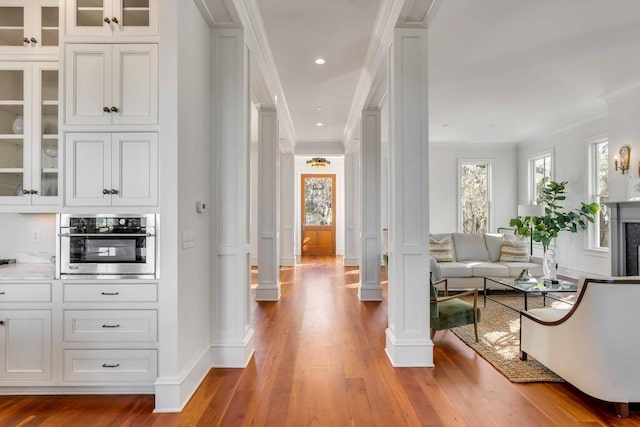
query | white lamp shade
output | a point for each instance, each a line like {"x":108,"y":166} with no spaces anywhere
{"x":530,"y":210}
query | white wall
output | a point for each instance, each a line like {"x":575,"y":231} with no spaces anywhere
{"x":336,"y":167}
{"x":16,"y":234}
{"x":570,"y":164}
{"x":194,"y":140}
{"x":624,"y":129}
{"x":443,"y":182}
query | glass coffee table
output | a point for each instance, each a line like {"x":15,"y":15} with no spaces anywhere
{"x":534,"y":286}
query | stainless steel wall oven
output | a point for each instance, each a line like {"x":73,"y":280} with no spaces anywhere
{"x":108,"y":246}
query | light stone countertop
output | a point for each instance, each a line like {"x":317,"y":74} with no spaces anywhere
{"x":27,"y":271}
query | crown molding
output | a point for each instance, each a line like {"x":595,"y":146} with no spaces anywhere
{"x":265,"y":66}
{"x":314,"y":148}
{"x":565,"y":128}
{"x":418,"y":13}
{"x":218,"y":13}
{"x":621,"y":93}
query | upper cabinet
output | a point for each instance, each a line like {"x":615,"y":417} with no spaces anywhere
{"x":111,"y":84}
{"x":29,"y":133}
{"x":112,"y":18}
{"x":29,"y":27}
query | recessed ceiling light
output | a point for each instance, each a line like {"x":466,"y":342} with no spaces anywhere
{"x":319,"y":124}
{"x":319,"y":108}
{"x":319,"y":61}
{"x":445,"y":125}
{"x":492,"y":125}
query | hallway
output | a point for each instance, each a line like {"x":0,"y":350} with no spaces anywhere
{"x":320,"y":361}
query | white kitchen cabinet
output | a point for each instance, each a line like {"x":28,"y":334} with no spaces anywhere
{"x":25,"y":337}
{"x":29,"y":144}
{"x":29,"y":27}
{"x":106,"y":366}
{"x":111,"y":169}
{"x":112,"y":18}
{"x":110,"y":325}
{"x":111,"y":84}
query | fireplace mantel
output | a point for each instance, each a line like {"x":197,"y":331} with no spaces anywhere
{"x":622,"y":213}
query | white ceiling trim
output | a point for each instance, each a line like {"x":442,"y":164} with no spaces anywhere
{"x":260,"y":50}
{"x":313,"y":149}
{"x":218,"y":13}
{"x":621,"y":93}
{"x":392,"y":14}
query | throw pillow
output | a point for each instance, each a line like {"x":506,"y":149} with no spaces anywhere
{"x":514,"y":249}
{"x":494,"y":245}
{"x":470,"y":247}
{"x":441,"y":249}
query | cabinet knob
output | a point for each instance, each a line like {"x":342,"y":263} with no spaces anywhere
{"x":1,"y":322}
{"x":114,"y":109}
{"x":114,"y":20}
{"x":107,"y":20}
{"x":114,"y":191}
{"x":106,"y":109}
{"x":105,"y":191}
{"x":25,"y":40}
{"x":33,"y":192}
{"x":25,"y":192}
{"x":33,"y":40}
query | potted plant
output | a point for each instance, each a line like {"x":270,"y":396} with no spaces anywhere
{"x":555,"y":219}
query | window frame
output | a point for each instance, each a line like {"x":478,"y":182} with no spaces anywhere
{"x":593,"y":240}
{"x":531,"y":171}
{"x":489,"y":163}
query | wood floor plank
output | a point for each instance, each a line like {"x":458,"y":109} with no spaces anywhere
{"x":320,"y":361}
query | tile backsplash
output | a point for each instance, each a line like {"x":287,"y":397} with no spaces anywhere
{"x":27,"y":232}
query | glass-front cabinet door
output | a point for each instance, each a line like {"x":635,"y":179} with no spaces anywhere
{"x":29,"y":27}
{"x":28,"y":133}
{"x":112,"y":18}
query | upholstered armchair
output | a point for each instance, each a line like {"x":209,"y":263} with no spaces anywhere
{"x":451,"y":311}
{"x":595,"y":345}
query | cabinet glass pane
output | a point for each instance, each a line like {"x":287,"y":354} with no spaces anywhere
{"x":135,"y":13}
{"x":49,"y":184}
{"x":49,"y":119}
{"x":89,"y":13}
{"x":10,"y":184}
{"x":11,"y":26}
{"x":11,"y":153}
{"x":49,"y":26}
{"x":11,"y":85}
{"x":49,"y":85}
{"x":11,"y":120}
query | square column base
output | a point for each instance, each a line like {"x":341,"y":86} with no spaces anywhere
{"x":268,"y":293}
{"x":370,"y":293}
{"x":232,"y":355}
{"x":409,"y":353}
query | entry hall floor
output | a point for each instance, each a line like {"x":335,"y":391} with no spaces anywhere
{"x":320,"y":361}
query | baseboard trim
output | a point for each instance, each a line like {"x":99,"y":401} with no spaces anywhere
{"x":268,"y":293}
{"x":231,"y":355}
{"x":173,"y":393}
{"x":352,"y":261}
{"x":408,"y":353}
{"x":74,"y":390}
{"x":370,"y":293}
{"x":288,"y":261}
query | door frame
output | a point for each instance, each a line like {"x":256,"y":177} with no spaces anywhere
{"x":334,"y":190}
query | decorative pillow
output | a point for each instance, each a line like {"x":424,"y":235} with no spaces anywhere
{"x":441,"y":248}
{"x":470,"y":247}
{"x":494,"y":245}
{"x":514,"y":249}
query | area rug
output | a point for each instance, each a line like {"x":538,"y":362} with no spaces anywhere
{"x":499,"y":339}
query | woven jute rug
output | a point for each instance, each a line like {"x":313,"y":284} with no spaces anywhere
{"x":499,"y":339}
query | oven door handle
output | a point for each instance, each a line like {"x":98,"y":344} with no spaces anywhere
{"x":105,"y":235}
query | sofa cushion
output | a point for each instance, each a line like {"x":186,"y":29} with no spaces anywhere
{"x":455,"y":269}
{"x":494,"y":245}
{"x":441,"y":247}
{"x":470,"y":247}
{"x":516,"y":267}
{"x":514,"y":249}
{"x":483,"y":269}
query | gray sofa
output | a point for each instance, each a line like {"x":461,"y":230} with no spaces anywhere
{"x":476,"y":256}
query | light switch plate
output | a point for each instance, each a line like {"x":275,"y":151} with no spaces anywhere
{"x":188,"y":239}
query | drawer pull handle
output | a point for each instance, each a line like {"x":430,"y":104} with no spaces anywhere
{"x":110,"y":326}
{"x":110,"y":293}
{"x":104,"y":365}
{"x":2,"y":293}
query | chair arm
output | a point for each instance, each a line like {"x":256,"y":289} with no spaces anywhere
{"x":446,"y":285}
{"x":473,"y":292}
{"x":542,"y":322}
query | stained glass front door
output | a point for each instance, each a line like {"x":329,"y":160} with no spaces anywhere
{"x":318,"y":214}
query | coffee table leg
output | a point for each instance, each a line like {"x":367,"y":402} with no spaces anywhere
{"x":485,"y":292}
{"x":526,"y":305}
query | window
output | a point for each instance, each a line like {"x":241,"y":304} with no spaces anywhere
{"x":599,"y":192}
{"x":474,"y":178}
{"x":540,"y":168}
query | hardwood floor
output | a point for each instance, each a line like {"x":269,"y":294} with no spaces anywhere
{"x":320,"y":361}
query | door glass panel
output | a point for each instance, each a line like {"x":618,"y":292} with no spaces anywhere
{"x":12,"y":85}
{"x":10,"y":184}
{"x":49,"y":26}
{"x":317,"y":201}
{"x":11,"y":26}
{"x":11,"y":153}
{"x":49,"y":137}
{"x":89,"y":13}
{"x":135,"y":13}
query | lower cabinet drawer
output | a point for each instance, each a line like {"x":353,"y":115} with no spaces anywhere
{"x":110,"y":325}
{"x":110,"y":365}
{"x":110,"y":292}
{"x":25,"y":292}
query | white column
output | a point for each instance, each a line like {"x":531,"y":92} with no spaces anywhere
{"x":407,"y":336}
{"x":287,"y":209}
{"x":268,"y":206}
{"x":231,"y":332}
{"x":352,"y":208}
{"x":370,"y":152}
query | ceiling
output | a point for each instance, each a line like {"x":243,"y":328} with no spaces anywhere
{"x":500,"y":71}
